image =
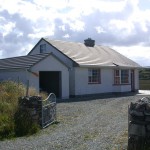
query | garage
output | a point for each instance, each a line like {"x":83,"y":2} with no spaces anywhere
{"x":50,"y":82}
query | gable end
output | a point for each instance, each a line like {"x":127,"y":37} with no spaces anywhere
{"x":74,"y":63}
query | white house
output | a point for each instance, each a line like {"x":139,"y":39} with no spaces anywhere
{"x":72,"y":69}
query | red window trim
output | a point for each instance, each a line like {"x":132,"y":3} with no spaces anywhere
{"x":120,"y":77}
{"x":98,"y":82}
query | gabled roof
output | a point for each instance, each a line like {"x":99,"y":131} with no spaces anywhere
{"x":22,"y":61}
{"x":92,"y":56}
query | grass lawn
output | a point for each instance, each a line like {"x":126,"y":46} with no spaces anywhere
{"x":144,"y":84}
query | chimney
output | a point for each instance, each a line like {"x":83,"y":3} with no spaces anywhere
{"x":89,"y":42}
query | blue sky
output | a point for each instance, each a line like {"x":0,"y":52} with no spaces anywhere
{"x":123,"y":25}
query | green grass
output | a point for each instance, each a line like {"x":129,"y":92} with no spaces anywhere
{"x":144,"y":84}
{"x":144,"y":74}
{"x":11,"y":118}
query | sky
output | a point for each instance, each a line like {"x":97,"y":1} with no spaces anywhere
{"x":123,"y":25}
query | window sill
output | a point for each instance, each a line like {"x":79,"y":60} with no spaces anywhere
{"x":94,"y":83}
{"x":121,"y":84}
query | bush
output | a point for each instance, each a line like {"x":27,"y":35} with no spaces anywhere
{"x":6,"y":127}
{"x":24,"y":124}
{"x":13,"y":121}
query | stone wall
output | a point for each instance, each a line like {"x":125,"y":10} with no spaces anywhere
{"x":42,"y":112}
{"x":139,"y":125}
{"x":32,"y":105}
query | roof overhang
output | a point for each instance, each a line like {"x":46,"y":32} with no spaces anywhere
{"x":110,"y":66}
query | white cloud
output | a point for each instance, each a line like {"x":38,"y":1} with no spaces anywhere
{"x":87,"y":6}
{"x":99,"y":29}
{"x":62,"y":27}
{"x":118,"y":23}
{"x":20,"y":34}
{"x":41,"y":34}
{"x":51,"y":9}
{"x":57,"y":4}
{"x":125,"y":27}
{"x":109,"y":6}
{"x":142,"y":17}
{"x":7,"y":28}
{"x":66,"y":36}
{"x":11,"y":6}
{"x":139,"y":53}
{"x":77,"y":25}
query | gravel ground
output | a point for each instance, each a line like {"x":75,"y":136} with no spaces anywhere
{"x":84,"y":124}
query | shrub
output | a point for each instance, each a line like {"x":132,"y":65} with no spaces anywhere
{"x":12,"y":119}
{"x":24,"y":124}
{"x":6,"y":126}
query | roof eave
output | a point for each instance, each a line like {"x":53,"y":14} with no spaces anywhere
{"x":22,"y":68}
{"x":109,"y":66}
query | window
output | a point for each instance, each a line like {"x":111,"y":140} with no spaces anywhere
{"x":117,"y":77}
{"x":124,"y":76}
{"x":42,"y":48}
{"x":94,"y":76}
{"x":121,"y":76}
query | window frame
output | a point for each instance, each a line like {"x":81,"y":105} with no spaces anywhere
{"x":42,"y":48}
{"x":117,"y":77}
{"x":121,"y":77}
{"x":124,"y":76}
{"x":94,"y":76}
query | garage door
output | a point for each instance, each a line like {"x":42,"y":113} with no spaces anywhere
{"x":50,"y":82}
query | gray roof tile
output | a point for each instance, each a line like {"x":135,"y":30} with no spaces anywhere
{"x":22,"y":61}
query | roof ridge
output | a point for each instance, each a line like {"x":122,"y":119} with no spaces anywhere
{"x":47,"y":39}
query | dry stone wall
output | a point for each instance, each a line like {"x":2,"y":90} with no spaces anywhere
{"x":139,"y":125}
{"x":32,"y":105}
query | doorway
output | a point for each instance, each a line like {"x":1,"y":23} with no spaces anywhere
{"x":132,"y":81}
{"x":50,"y":82}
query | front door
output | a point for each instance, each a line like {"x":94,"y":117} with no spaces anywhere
{"x":132,"y":81}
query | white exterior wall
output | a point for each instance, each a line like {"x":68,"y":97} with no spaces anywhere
{"x":126,"y":88}
{"x":122,"y":88}
{"x":51,"y":64}
{"x":14,"y":75}
{"x":82,"y":86}
{"x":72,"y":81}
{"x":78,"y":76}
{"x":107,"y":82}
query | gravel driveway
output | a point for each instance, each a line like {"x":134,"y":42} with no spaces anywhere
{"x":84,"y":124}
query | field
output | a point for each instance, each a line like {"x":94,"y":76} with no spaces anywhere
{"x":144,"y":85}
{"x":144,"y":76}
